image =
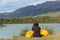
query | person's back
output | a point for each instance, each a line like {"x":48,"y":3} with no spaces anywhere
{"x":36,"y":30}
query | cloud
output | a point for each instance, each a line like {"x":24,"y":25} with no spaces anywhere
{"x":10,"y":5}
{"x":5,"y":2}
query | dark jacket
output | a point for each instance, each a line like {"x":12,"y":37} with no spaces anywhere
{"x":36,"y":31}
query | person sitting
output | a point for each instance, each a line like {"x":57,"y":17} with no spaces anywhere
{"x":36,"y":30}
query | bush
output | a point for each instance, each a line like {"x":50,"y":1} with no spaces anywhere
{"x":23,"y":32}
{"x":14,"y":37}
{"x":49,"y":29}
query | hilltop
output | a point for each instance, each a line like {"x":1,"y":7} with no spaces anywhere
{"x":33,"y":10}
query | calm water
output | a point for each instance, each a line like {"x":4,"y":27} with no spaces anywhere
{"x":14,"y":29}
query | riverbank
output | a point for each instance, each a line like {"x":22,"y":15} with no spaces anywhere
{"x":52,"y":37}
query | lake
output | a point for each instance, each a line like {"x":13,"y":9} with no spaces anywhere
{"x":15,"y":29}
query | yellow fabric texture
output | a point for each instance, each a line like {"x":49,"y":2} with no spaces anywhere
{"x":44,"y":33}
{"x":29,"y":34}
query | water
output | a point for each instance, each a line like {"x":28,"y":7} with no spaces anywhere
{"x":15,"y":29}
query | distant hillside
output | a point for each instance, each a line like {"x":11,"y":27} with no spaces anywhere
{"x":33,"y":10}
{"x":52,"y":14}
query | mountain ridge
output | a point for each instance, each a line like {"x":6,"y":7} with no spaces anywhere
{"x":33,"y":10}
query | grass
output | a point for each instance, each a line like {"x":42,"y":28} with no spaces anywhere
{"x":52,"y":37}
{"x":52,"y":14}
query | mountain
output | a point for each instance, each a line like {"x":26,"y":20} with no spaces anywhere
{"x":33,"y":10}
{"x":50,"y":14}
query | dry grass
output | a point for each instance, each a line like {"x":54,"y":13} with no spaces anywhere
{"x":36,"y":38}
{"x":52,"y":14}
{"x":52,"y":37}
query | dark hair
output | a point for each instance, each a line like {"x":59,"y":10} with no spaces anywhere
{"x":35,"y":24}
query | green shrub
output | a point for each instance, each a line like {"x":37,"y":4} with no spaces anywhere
{"x":23,"y":32}
{"x":14,"y":37}
{"x":49,"y":29}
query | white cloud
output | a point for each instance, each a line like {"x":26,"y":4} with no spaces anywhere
{"x":5,"y":2}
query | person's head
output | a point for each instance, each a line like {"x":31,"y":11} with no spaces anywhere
{"x":35,"y":24}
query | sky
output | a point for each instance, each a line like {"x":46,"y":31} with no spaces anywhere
{"x":11,"y":5}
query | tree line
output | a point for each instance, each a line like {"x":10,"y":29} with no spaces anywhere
{"x":44,"y":19}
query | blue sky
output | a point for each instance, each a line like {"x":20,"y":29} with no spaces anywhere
{"x":11,"y":5}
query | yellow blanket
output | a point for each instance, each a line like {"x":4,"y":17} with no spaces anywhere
{"x":44,"y":33}
{"x":29,"y":34}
